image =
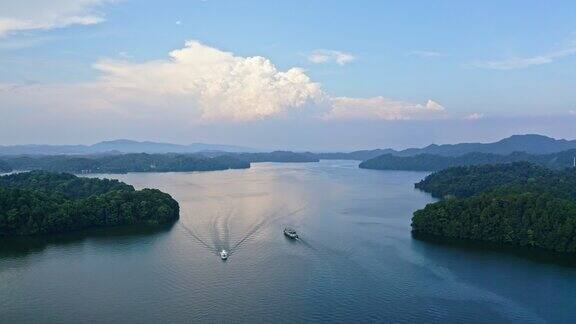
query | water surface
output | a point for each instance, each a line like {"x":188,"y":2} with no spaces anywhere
{"x":356,"y":260}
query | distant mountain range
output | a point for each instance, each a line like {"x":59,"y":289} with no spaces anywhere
{"x":356,"y":155}
{"x":120,"y":146}
{"x":531,"y":143}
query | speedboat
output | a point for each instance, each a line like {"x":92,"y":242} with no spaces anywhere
{"x":223,"y":254}
{"x":290,"y":233}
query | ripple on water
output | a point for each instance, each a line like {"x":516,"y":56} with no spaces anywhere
{"x":355,"y":262}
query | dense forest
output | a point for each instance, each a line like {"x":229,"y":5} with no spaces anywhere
{"x":430,"y":162}
{"x":467,"y":181}
{"x":277,"y":156}
{"x":514,"y":204}
{"x":122,"y":163}
{"x":355,"y":155}
{"x":5,"y":167}
{"x":41,"y":202}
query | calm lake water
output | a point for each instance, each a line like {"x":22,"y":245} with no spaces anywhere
{"x":356,"y":261}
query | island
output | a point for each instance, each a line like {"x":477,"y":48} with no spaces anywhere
{"x":518,"y":204}
{"x":435,"y":162}
{"x":40,"y":202}
{"x":123,"y":163}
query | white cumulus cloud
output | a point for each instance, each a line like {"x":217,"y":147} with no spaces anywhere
{"x":21,"y":15}
{"x":218,"y":84}
{"x":199,"y":83}
{"x":327,"y":56}
{"x":382,"y":108}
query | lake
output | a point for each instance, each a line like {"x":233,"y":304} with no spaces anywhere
{"x":356,"y":260}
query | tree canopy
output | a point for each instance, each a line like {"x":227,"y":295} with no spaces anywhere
{"x":122,"y":163}
{"x":432,"y":162}
{"x":41,"y":202}
{"x":515,"y":204}
{"x":5,"y":167}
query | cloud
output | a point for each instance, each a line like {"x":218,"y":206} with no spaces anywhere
{"x":12,"y":44}
{"x":202,"y":84}
{"x":572,"y":112}
{"x":525,"y":62}
{"x":327,"y":56}
{"x":25,"y":15}
{"x":474,"y":116}
{"x":218,"y":84}
{"x":195,"y":83}
{"x":381,"y":108}
{"x":425,"y":54}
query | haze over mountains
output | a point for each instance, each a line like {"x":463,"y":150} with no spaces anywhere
{"x":531,"y":143}
{"x":119,"y":146}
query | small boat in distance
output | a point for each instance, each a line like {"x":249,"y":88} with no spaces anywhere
{"x":223,"y":254}
{"x":291,"y":233}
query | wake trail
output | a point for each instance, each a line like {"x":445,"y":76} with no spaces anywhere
{"x":216,"y":230}
{"x":220,"y":228}
{"x":197,"y":238}
{"x":261,"y":224}
{"x":227,"y":230}
{"x":306,"y":244}
{"x":250,"y":233}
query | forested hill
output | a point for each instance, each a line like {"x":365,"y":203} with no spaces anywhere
{"x":515,"y":204}
{"x":122,"y":163}
{"x":41,"y":202}
{"x":5,"y":167}
{"x":355,"y":155}
{"x":463,"y":182}
{"x":428,"y":162}
{"x":68,"y":185}
{"x":277,"y":156}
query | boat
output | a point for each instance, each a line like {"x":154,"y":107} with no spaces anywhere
{"x":290,"y":233}
{"x":223,"y":254}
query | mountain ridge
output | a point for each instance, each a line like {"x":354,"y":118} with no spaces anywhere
{"x":119,"y":146}
{"x":528,"y":143}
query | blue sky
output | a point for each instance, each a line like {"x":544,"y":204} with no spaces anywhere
{"x":387,"y":73}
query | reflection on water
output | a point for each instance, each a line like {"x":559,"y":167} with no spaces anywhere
{"x":534,"y":254}
{"x":21,"y":246}
{"x":355,"y":259}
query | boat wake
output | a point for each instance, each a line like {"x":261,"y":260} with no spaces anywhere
{"x":254,"y":230}
{"x":203,"y":243}
{"x":305,"y":243}
{"x":220,"y":231}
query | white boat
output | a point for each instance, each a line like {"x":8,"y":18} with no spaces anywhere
{"x":291,"y":233}
{"x":223,"y":254}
